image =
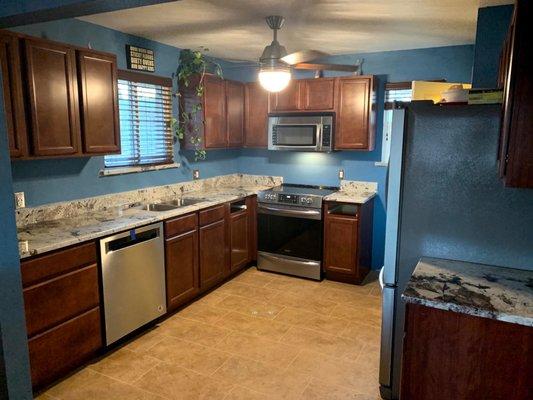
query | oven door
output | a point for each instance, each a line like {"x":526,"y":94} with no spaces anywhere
{"x":290,"y":240}
{"x":285,"y":136}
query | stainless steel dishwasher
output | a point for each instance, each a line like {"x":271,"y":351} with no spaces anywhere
{"x":133,"y":276}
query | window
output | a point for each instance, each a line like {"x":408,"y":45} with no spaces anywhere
{"x":145,"y":110}
{"x":395,"y":93}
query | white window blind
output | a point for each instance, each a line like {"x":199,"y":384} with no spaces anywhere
{"x":145,"y":111}
{"x":394,"y":92}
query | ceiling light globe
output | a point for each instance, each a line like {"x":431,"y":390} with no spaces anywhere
{"x":274,"y":80}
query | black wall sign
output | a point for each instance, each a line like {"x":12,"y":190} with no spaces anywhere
{"x":140,"y":59}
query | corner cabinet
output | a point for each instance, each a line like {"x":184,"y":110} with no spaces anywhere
{"x":516,"y":139}
{"x":61,"y":99}
{"x":348,"y":241}
{"x":355,"y":124}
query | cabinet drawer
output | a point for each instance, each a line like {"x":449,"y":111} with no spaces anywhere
{"x":180,"y":225}
{"x":57,"y":263}
{"x":65,"y":347}
{"x":54,"y":301}
{"x":212,"y":214}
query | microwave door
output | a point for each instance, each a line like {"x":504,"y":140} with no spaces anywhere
{"x":295,"y":137}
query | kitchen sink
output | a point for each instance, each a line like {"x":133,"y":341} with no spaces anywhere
{"x":158,"y":207}
{"x":183,"y":202}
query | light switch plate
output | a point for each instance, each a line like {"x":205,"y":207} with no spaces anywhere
{"x":20,"y":201}
{"x":195,"y":174}
{"x":341,"y":174}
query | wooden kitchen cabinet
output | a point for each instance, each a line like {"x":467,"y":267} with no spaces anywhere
{"x":181,"y":260}
{"x":97,"y":78}
{"x":213,"y":246}
{"x":62,"y":103}
{"x":348,"y":241}
{"x":255,"y":115}
{"x":288,"y":99}
{"x":62,"y":306}
{"x":13,"y":97}
{"x":53,"y":98}
{"x":516,"y":139}
{"x":449,"y":355}
{"x":235,"y":113}
{"x":239,"y":235}
{"x":355,"y":122}
{"x":318,"y":94}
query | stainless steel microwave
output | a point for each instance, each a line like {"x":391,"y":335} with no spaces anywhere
{"x":301,"y":132}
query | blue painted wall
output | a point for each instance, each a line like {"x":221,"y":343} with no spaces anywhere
{"x":14,"y":363}
{"x":453,"y":63}
{"x":46,"y":181}
{"x":492,"y":26}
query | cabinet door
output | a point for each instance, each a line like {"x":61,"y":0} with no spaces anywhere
{"x":288,"y":99}
{"x":340,"y":244}
{"x":53,"y":98}
{"x":97,"y":77}
{"x":318,"y":94}
{"x":181,"y":257}
{"x":239,"y":239}
{"x":235,"y":113}
{"x":354,"y":128}
{"x":212,"y":253}
{"x":214,"y":112}
{"x":256,"y":115}
{"x":13,"y":96}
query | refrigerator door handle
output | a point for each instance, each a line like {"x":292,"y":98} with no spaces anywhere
{"x":387,"y":335}
{"x":381,"y":283}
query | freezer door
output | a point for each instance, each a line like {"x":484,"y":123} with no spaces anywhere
{"x":387,"y":323}
{"x":393,"y":197}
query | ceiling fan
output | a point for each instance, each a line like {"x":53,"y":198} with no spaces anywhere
{"x":276,"y":64}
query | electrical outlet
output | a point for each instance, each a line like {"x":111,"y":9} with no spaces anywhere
{"x":196,"y":174}
{"x":20,"y":201}
{"x":341,"y":174}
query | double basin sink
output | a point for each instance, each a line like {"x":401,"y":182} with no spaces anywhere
{"x":169,"y":205}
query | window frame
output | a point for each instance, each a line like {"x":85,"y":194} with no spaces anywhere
{"x":139,"y":77}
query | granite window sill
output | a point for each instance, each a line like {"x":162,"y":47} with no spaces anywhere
{"x":136,"y":169}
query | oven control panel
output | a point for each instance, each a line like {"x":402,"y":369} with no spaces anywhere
{"x":288,"y":198}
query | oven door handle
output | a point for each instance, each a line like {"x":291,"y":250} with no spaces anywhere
{"x":289,"y":212}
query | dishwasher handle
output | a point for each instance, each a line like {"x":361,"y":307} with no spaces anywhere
{"x":131,"y":238}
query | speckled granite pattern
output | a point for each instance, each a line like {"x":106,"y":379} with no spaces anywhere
{"x":357,"y":192}
{"x":486,"y":291}
{"x":42,"y":229}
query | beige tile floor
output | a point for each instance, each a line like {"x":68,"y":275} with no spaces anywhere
{"x":259,"y":336}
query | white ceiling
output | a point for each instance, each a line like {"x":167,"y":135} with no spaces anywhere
{"x":236,"y":29}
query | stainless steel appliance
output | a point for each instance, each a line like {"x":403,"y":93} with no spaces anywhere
{"x":442,"y":192}
{"x":290,"y":230}
{"x":301,"y":132}
{"x":133,"y":277}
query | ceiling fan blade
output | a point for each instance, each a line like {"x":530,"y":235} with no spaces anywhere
{"x":303,"y":56}
{"x":327,"y":67}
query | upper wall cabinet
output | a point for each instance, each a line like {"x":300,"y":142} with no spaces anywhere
{"x":318,"y":94}
{"x":97,"y":77}
{"x":255,"y":115}
{"x":516,"y":140}
{"x":288,"y":99}
{"x":62,"y":102}
{"x":235,"y":113}
{"x":53,"y":98}
{"x":355,"y":124}
{"x":12,"y":90}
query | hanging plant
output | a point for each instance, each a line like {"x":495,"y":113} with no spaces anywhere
{"x":193,"y":64}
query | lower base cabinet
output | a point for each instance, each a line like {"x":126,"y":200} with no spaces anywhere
{"x":62,"y":306}
{"x":181,"y":260}
{"x":449,"y":355}
{"x":347,"y":241}
{"x":240,"y":229}
{"x":213,"y":246}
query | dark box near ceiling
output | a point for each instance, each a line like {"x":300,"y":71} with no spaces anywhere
{"x":140,"y":59}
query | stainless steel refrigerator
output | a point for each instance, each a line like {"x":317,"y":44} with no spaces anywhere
{"x":445,"y":199}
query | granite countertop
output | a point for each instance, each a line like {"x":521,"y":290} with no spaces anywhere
{"x":500,"y":293}
{"x":355,"y":192}
{"x":54,"y":234}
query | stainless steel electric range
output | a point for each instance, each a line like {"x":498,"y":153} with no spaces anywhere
{"x":290,"y":229}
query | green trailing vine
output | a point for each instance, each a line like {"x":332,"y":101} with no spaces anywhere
{"x":193,"y":63}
